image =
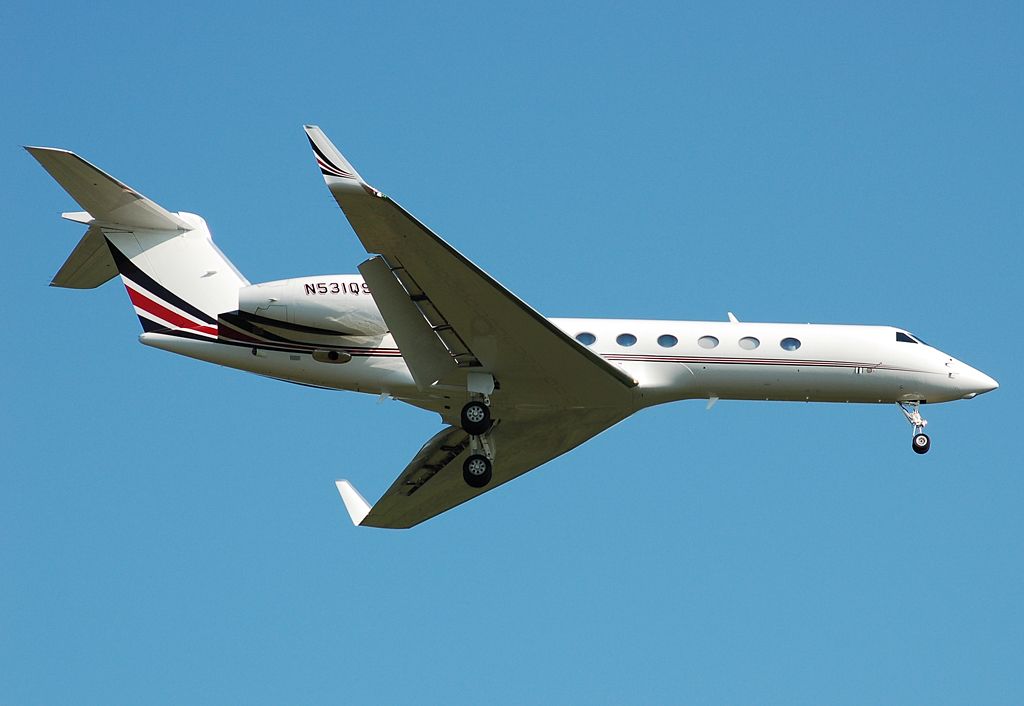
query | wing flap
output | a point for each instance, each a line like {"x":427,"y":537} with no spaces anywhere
{"x":424,"y":353}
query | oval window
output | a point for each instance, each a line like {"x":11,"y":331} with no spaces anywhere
{"x":789,"y":344}
{"x":586,"y":339}
{"x":707,"y":341}
{"x":625,"y":339}
{"x":749,"y":343}
{"x":667,"y":340}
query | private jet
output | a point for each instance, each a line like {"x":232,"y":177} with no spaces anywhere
{"x":423,"y":324}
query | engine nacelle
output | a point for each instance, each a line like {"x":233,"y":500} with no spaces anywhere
{"x":340,"y":304}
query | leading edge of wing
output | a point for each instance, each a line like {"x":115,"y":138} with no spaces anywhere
{"x":384,"y":227}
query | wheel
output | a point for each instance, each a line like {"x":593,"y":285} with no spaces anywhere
{"x":476,"y":418}
{"x":922,"y":443}
{"x":476,"y":471}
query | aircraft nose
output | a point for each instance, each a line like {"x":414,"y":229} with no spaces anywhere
{"x":974,"y":383}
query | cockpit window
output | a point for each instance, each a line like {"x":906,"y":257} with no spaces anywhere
{"x":904,"y":338}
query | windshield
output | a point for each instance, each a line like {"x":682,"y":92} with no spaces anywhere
{"x":904,"y":337}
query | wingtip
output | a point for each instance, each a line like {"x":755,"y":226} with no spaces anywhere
{"x":331,"y":161}
{"x":32,"y":149}
{"x":355,"y":503}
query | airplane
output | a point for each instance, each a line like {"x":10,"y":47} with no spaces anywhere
{"x":423,"y":324}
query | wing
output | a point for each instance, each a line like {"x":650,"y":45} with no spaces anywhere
{"x":432,"y":482}
{"x":460,"y":330}
{"x":483,"y":326}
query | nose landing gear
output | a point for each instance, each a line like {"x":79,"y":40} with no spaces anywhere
{"x":912,"y":411}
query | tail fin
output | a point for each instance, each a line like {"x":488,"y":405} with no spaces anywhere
{"x":175,"y":276}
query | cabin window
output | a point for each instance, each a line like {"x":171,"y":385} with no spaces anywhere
{"x":625,"y":339}
{"x":749,"y":343}
{"x":904,"y":338}
{"x":789,"y":344}
{"x":707,"y":342}
{"x":667,"y":340}
{"x":586,"y":338}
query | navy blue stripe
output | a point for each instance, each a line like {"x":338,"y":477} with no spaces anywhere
{"x":301,"y":328}
{"x":233,"y":319}
{"x":150,"y":326}
{"x":355,"y":352}
{"x":332,"y":165}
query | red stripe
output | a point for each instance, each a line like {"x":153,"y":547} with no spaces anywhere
{"x":335,"y":171}
{"x":148,"y":305}
{"x":752,"y":361}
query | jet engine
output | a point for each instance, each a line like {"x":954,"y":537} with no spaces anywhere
{"x":339,"y":305}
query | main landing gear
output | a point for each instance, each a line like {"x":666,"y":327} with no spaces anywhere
{"x":476,"y":417}
{"x":476,"y":471}
{"x":912,"y":411}
{"x":476,"y":421}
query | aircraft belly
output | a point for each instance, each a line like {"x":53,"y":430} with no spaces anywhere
{"x":663,"y":382}
{"x":361,"y":374}
{"x":810,"y":383}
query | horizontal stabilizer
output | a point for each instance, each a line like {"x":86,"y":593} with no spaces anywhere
{"x":356,"y":505}
{"x":89,"y":265}
{"x":108,"y":201}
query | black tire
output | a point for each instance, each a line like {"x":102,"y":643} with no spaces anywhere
{"x":921,"y":443}
{"x":476,"y":418}
{"x":476,"y":471}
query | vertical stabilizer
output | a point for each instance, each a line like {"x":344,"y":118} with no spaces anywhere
{"x":175,"y":276}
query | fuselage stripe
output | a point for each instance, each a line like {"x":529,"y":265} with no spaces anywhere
{"x":763,"y":361}
{"x":380,"y":352}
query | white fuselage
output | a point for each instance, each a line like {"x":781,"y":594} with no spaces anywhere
{"x":671,"y":360}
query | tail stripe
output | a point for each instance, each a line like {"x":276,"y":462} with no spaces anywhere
{"x":150,"y":326}
{"x":136,"y":276}
{"x":155,"y":309}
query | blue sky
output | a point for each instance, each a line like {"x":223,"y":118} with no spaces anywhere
{"x":170,"y":532}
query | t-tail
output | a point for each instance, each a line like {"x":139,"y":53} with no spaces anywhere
{"x":176,"y":278}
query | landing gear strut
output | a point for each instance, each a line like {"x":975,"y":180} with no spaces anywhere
{"x":912,"y":411}
{"x":476,"y":421}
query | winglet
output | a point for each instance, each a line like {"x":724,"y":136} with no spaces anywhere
{"x":356,"y":505}
{"x":331,"y":162}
